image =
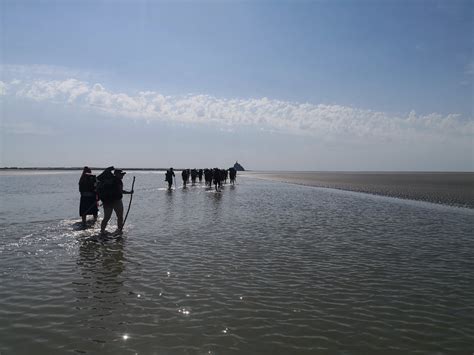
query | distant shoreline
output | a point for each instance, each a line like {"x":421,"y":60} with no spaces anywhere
{"x":78,"y":168}
{"x":254,"y":171}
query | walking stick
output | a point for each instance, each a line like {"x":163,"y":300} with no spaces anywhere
{"x":129,"y":204}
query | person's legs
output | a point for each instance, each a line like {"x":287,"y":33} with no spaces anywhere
{"x":108,"y":208}
{"x":118,"y":208}
{"x":96,"y":210}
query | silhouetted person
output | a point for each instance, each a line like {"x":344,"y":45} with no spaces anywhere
{"x":185,"y":176}
{"x":224,"y":175}
{"x":216,"y":176}
{"x":111,"y":191}
{"x":232,"y":175}
{"x":87,"y":188}
{"x":208,"y":177}
{"x":169,"y":177}
{"x":194,"y":174}
{"x":200,"y":172}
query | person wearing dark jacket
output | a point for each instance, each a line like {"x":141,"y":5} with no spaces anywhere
{"x":112,"y":198}
{"x":232,"y":175}
{"x":169,"y":177}
{"x":87,"y":188}
{"x":194,"y":174}
{"x":185,"y":177}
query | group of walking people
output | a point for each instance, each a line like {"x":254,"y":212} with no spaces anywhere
{"x":108,"y":188}
{"x":214,"y":176}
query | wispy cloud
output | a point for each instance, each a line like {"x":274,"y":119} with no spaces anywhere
{"x":322,"y":121}
{"x":51,"y":90}
{"x":3,"y":88}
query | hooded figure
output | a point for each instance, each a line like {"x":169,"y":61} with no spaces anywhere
{"x":87,"y":188}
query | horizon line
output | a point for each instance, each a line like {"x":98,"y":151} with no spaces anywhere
{"x":73,"y":168}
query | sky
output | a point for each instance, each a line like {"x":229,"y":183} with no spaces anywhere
{"x":275,"y":85}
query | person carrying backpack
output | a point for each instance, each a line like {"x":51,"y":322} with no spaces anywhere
{"x":110,"y":190}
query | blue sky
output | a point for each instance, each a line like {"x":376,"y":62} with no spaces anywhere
{"x":300,"y":85}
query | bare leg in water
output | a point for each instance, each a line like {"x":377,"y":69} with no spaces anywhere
{"x":108,"y":208}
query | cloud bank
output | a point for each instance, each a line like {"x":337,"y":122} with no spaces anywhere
{"x":322,"y":121}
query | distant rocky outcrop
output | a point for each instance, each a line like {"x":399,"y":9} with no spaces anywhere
{"x":238,"y":167}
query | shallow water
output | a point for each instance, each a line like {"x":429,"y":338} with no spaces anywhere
{"x":259,"y":268}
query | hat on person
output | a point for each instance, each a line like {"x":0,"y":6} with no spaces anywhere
{"x":119,"y":171}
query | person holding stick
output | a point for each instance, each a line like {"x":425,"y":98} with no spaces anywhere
{"x":110,"y":189}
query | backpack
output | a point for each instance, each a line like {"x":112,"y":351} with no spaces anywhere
{"x":107,"y":190}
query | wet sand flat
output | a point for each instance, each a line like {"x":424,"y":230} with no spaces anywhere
{"x":446,"y":188}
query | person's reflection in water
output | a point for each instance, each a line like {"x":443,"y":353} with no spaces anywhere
{"x":216,"y":198}
{"x":169,"y":210}
{"x":100,"y":294}
{"x":101,"y":265}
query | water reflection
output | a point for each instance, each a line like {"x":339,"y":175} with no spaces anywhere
{"x":216,"y":197}
{"x":100,"y":293}
{"x":169,"y":210}
{"x":101,"y":263}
